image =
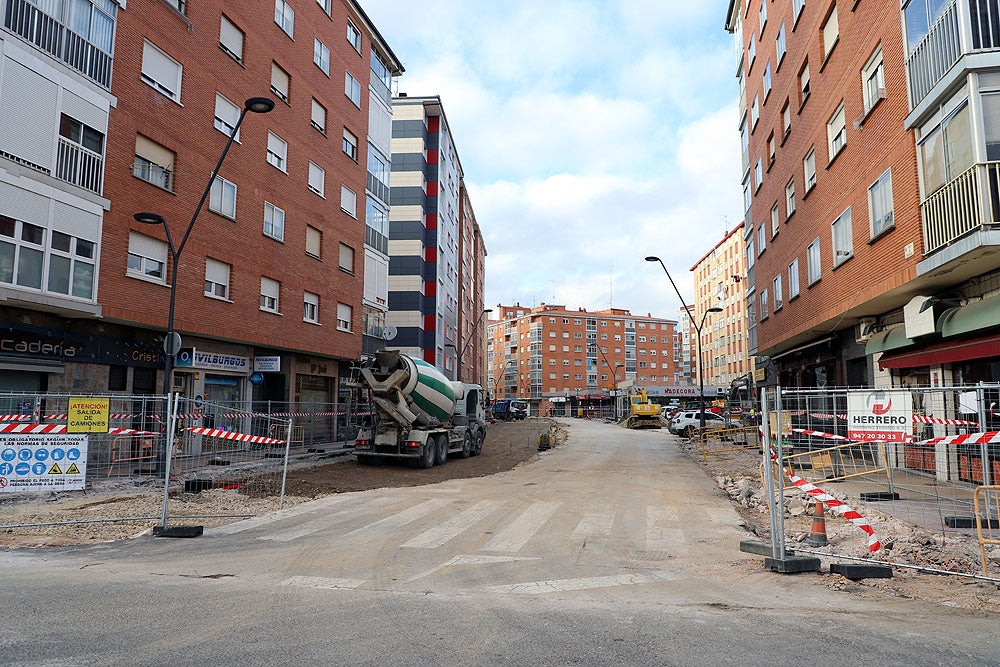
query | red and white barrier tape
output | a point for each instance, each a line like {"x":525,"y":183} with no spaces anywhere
{"x":937,"y":420}
{"x":233,"y":435}
{"x":986,"y":438}
{"x":29,"y":429}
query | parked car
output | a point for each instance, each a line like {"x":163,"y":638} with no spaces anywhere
{"x":686,"y":422}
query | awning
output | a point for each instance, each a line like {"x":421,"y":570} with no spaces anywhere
{"x":30,"y":365}
{"x":971,"y":317}
{"x":977,"y":348}
{"x":890,"y":339}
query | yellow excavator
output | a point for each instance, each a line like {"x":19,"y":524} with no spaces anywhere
{"x":642,"y":413}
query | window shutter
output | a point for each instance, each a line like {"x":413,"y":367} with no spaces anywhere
{"x":154,"y":152}
{"x":216,"y":271}
{"x":231,"y":37}
{"x":347,"y":257}
{"x":348,"y":200}
{"x":279,"y":80}
{"x":314,"y":239}
{"x":147,"y":246}
{"x":161,"y":68}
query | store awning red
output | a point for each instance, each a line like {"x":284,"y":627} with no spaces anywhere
{"x":940,"y":353}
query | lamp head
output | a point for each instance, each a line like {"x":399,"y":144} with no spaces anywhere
{"x":714,"y":309}
{"x":148,"y":218}
{"x":651,"y":258}
{"x":487,"y":310}
{"x":259,"y":104}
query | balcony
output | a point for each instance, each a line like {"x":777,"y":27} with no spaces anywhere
{"x":80,"y":166}
{"x":961,"y":221}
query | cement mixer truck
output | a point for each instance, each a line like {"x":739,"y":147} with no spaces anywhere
{"x":417,"y":413}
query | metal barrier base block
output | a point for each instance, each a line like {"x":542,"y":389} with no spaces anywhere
{"x":792,"y":564}
{"x":760,"y":548}
{"x":178,"y":531}
{"x":856,"y":571}
{"x":970,"y":522}
{"x":875,"y":496}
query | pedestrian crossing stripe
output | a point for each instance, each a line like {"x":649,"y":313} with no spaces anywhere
{"x":55,"y":470}
{"x":72,"y":469}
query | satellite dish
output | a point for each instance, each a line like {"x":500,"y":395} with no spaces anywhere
{"x":388,"y":333}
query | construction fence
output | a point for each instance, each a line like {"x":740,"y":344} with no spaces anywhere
{"x":56,"y":448}
{"x":904,"y":476}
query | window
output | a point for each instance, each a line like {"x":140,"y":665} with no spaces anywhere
{"x":314,"y":242}
{"x":280,"y":82}
{"x":809,"y":168}
{"x":223,"y":197}
{"x":776,"y":285}
{"x":836,"y":131}
{"x":843,"y":242}
{"x":177,"y":4}
{"x":797,"y":6}
{"x":775,"y":223}
{"x":761,"y":239}
{"x":793,"y":279}
{"x":751,"y":53}
{"x":147,"y":257}
{"x":352,"y":89}
{"x":153,"y":163}
{"x":277,"y":151}
{"x":227,"y":115}
{"x":758,"y":174}
{"x":804,"y":85}
{"x":813,"y":262}
{"x":872,"y":80}
{"x":763,"y":17}
{"x":946,"y":150}
{"x":310,"y":307}
{"x":318,"y":117}
{"x":350,"y":145}
{"x":231,"y":39}
{"x":270,"y":290}
{"x":317,"y":178}
{"x":284,"y":16}
{"x":754,"y":112}
{"x":767,"y":80}
{"x":325,"y":4}
{"x":346,"y":258}
{"x":780,"y":46}
{"x":880,"y":204}
{"x":274,"y":221}
{"x":344,"y":313}
{"x":321,"y":56}
{"x":161,"y":71}
{"x":348,"y":201}
{"x":786,"y":119}
{"x":216,"y":279}
{"x":790,"y":198}
{"x":354,"y":36}
{"x":764,"y":299}
{"x":831,"y":32}
{"x":771,"y":150}
{"x":23,"y":249}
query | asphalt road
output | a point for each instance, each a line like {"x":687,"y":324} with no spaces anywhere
{"x":612,"y":549}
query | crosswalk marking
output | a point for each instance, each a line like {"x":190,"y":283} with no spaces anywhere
{"x":517,"y":533}
{"x":322,"y":523}
{"x":265,"y":519}
{"x":323,"y":582}
{"x":663,"y":531}
{"x":402,"y":518}
{"x":454,"y":526}
{"x":470,"y":560}
{"x":594,"y":525}
{"x":560,"y":585}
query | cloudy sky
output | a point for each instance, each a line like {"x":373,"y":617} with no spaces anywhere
{"x":592,"y":133}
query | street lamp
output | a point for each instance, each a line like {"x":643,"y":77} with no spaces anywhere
{"x":468,"y":340}
{"x":171,"y":344}
{"x":697,"y":327}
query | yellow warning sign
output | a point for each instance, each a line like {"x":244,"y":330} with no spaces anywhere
{"x":72,"y":469}
{"x":55,"y":470}
{"x":87,"y":415}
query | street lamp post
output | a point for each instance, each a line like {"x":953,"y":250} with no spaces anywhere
{"x":468,"y":340}
{"x":171,"y":343}
{"x":697,"y":327}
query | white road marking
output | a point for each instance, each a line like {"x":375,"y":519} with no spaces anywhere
{"x":264,"y":519}
{"x":402,"y":518}
{"x":662,"y":530}
{"x":322,"y":523}
{"x":593,"y":525}
{"x":470,"y":560}
{"x":561,"y":585}
{"x":323,"y":582}
{"x":454,"y":526}
{"x":522,"y":529}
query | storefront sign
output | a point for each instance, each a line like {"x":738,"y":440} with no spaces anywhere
{"x":879,"y":416}
{"x":88,"y":415}
{"x":50,"y":462}
{"x":190,"y":357}
{"x":267,"y":364}
{"x":55,"y":345}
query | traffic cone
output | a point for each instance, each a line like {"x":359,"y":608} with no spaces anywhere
{"x":817,"y":535}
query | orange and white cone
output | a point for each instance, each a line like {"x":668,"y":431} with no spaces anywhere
{"x":817,"y":534}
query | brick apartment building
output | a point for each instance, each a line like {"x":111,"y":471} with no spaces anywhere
{"x":436,"y":270}
{"x":273,"y":270}
{"x":551,"y":355}
{"x":719,"y":283}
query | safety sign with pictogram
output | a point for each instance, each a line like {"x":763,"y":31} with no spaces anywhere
{"x":43,"y":462}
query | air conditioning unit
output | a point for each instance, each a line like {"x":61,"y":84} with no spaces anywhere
{"x":865,"y":328}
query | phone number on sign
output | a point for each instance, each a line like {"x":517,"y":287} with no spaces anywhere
{"x":878,"y":436}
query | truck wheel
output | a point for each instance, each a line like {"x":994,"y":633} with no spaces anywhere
{"x":478,"y":448}
{"x":467,"y":446}
{"x":427,"y":457}
{"x":442,"y":450}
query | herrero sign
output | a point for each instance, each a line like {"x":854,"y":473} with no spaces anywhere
{"x":879,"y":416}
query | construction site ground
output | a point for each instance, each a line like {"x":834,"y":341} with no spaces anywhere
{"x":508,"y":445}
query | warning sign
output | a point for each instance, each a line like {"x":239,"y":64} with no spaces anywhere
{"x":879,"y":416}
{"x":43,"y":462}
{"x":88,"y":415}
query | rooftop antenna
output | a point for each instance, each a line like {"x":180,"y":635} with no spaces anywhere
{"x":725,"y":223}
{"x":611,"y":286}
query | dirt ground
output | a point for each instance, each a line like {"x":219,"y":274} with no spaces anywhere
{"x":507,"y":445}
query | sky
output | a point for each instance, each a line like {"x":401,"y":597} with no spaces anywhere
{"x":591,"y":134}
